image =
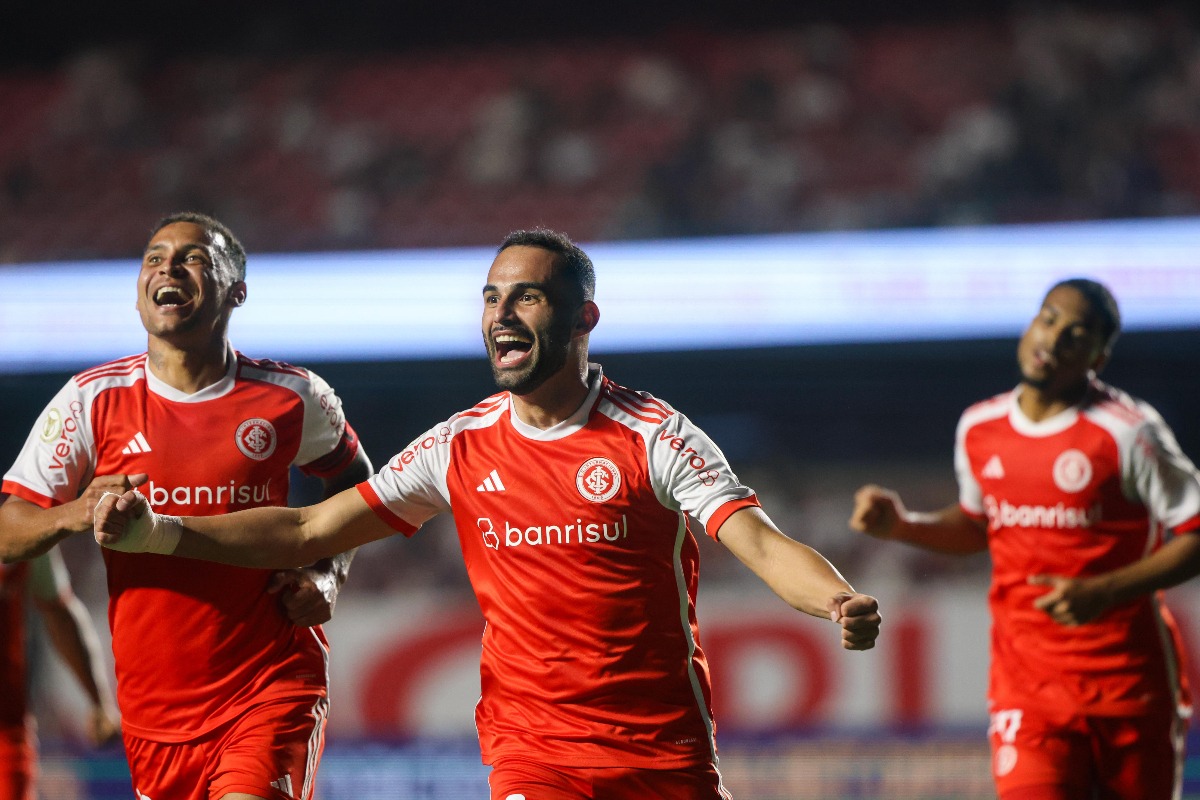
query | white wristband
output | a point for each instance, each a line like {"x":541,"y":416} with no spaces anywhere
{"x":147,"y":532}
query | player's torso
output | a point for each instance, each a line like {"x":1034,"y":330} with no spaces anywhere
{"x":587,"y":581}
{"x":1056,"y":505}
{"x":192,"y":639}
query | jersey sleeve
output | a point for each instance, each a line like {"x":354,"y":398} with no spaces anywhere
{"x":970,"y":495}
{"x":1159,"y":474}
{"x":57,"y":460}
{"x":328,"y":444}
{"x":412,"y":487}
{"x":690,"y":473}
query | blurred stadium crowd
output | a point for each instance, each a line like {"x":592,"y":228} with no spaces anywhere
{"x":1044,"y":113}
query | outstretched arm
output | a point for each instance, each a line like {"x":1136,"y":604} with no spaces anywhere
{"x":801,"y":576}
{"x":268,"y":538}
{"x":71,"y":632}
{"x":1076,"y":601}
{"x":880,"y":513}
{"x":308,"y":595}
{"x":28,"y":530}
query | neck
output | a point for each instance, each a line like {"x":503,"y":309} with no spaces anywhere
{"x":555,"y":400}
{"x":1039,"y":404}
{"x":188,"y":369}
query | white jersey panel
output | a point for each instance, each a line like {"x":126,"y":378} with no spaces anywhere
{"x":413,"y":483}
{"x":57,"y":458}
{"x":1154,"y":470}
{"x":970,"y":495}
{"x":687,"y":470}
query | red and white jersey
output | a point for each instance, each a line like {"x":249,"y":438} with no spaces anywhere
{"x":577,"y":545}
{"x":193,"y":642}
{"x":13,"y":677}
{"x":1090,"y":490}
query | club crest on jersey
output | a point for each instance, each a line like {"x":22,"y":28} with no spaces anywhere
{"x":1072,"y":471}
{"x":256,"y":438}
{"x":598,"y":480}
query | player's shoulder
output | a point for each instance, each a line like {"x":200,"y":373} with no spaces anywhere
{"x":993,"y":408}
{"x":483,"y":414}
{"x":631,"y":406}
{"x":279,"y":373}
{"x":119,"y":372}
{"x":1117,"y":410}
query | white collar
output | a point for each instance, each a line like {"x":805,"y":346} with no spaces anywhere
{"x":218,"y":389}
{"x":569,"y":425}
{"x":1047,"y":427}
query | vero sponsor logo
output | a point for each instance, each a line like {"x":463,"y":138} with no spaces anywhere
{"x":59,"y":430}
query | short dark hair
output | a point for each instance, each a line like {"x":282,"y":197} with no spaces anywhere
{"x":574,"y":264}
{"x":235,"y":254}
{"x":1102,"y":301}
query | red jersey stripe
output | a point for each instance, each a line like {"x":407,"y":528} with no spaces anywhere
{"x":383,"y":511}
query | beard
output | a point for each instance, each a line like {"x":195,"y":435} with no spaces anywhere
{"x":547,"y":357}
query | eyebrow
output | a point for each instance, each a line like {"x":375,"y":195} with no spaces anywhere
{"x":187,"y":247}
{"x":541,"y":287}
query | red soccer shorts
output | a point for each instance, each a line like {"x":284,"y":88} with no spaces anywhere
{"x":17,"y":764}
{"x":270,"y":751}
{"x":1134,"y":758}
{"x":518,"y":779}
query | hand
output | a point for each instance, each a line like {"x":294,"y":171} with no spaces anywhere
{"x":1071,"y":601}
{"x":103,"y":727}
{"x":859,"y":617}
{"x":83,"y":508}
{"x":307,"y":595}
{"x":126,"y":522}
{"x":876,"y":511}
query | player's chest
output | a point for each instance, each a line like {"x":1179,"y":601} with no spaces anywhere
{"x":1079,"y":463}
{"x":246,"y":432}
{"x":583,"y":477}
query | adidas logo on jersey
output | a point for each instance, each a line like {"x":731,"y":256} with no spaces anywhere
{"x":137,"y":444}
{"x":992,"y":469}
{"x":283,"y":784}
{"x":491,"y":483}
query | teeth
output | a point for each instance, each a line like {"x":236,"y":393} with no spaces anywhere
{"x":508,"y":338}
{"x":170,"y":295}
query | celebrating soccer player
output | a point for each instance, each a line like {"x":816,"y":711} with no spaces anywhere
{"x":1088,"y":509}
{"x":569,"y":495}
{"x":221,"y":671}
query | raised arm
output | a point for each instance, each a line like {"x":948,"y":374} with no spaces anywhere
{"x":27,"y":530}
{"x":269,"y":538}
{"x":880,"y":513}
{"x":801,"y":576}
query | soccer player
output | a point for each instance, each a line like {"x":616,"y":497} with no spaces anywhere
{"x":1088,"y":509}
{"x":569,"y":495}
{"x":221,"y":671}
{"x":45,"y":580}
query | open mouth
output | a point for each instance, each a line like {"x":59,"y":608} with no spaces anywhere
{"x":511,"y":349}
{"x":172,"y":297}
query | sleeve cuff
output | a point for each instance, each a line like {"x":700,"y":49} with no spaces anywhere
{"x":395,"y":522}
{"x":724,"y":512}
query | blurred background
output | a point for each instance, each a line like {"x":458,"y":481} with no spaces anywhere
{"x":341,"y":129}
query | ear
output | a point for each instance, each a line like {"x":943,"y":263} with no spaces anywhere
{"x":1099,"y":361}
{"x":586,"y":318}
{"x":237,"y":294}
